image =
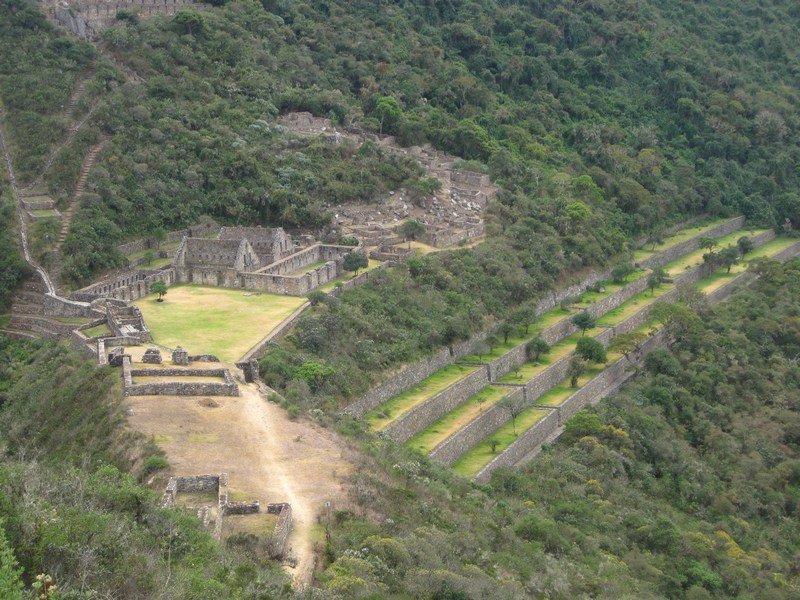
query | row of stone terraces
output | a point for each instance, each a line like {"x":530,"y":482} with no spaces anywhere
{"x":454,"y":413}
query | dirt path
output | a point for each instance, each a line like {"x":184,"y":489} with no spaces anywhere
{"x":267,"y":456}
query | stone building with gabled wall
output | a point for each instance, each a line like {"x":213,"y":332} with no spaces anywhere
{"x":270,"y":243}
{"x":214,"y":262}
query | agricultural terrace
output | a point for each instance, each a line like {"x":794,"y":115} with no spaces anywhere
{"x":212,"y":320}
{"x":474,"y":460}
{"x":676,"y":238}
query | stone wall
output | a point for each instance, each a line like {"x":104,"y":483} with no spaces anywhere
{"x":399,"y":381}
{"x":431,"y":410}
{"x":667,"y":256}
{"x":177,"y":388}
{"x":282,"y":528}
{"x":471,"y":435}
{"x":128,"y":285}
{"x":55,"y":306}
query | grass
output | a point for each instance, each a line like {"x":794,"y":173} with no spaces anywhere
{"x":695,"y":257}
{"x":464,"y":413}
{"x":44,"y":212}
{"x":474,"y":460}
{"x":427,"y":388}
{"x":212,"y":320}
{"x":677,"y":238}
{"x":721,"y":277}
{"x":156,"y":263}
{"x":332,"y":283}
{"x":96,"y":331}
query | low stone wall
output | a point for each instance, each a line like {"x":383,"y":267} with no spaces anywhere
{"x":431,"y":410}
{"x":472,"y":434}
{"x":203,"y":358}
{"x":55,"y":306}
{"x":282,"y":528}
{"x":178,"y":388}
{"x":671,"y":254}
{"x":241,"y":508}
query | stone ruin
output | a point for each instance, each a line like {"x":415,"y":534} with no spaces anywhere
{"x":88,"y":18}
{"x":212,"y":515}
{"x":180,"y":357}
{"x":452,"y":215}
{"x":152,"y":356}
{"x":250,"y":369}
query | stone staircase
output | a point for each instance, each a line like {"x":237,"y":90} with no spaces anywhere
{"x":80,"y":187}
{"x":27,"y":314}
{"x":69,"y":108}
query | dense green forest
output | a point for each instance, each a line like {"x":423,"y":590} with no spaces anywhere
{"x":598,"y":121}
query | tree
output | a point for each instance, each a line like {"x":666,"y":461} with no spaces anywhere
{"x":655,"y":279}
{"x":627,"y":343}
{"x":590,"y":350}
{"x":505,"y":329}
{"x":317,"y":297}
{"x":493,"y":444}
{"x":583,"y":321}
{"x":189,"y":21}
{"x":744,"y":244}
{"x":523,"y":316}
{"x":159,"y":287}
{"x":355,"y":261}
{"x":159,"y":236}
{"x":621,"y":272}
{"x":148,"y":257}
{"x":412,"y":230}
{"x":388,"y":112}
{"x":513,"y":404}
{"x":577,"y":367}
{"x":492,"y":342}
{"x":707,"y":243}
{"x":535,"y":348}
{"x":729,"y":257}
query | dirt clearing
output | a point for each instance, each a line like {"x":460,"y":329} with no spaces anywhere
{"x":266,"y":455}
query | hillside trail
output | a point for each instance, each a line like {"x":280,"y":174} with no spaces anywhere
{"x":267,"y":456}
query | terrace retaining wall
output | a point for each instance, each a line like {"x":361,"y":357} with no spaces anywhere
{"x":472,"y":434}
{"x":434,"y":408}
{"x":613,"y":377}
{"x":667,"y":256}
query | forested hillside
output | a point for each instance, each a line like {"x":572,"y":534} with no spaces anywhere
{"x":601,"y":122}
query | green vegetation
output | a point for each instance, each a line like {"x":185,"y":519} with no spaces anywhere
{"x":679,"y":486}
{"x":13,"y":268}
{"x":68,"y":512}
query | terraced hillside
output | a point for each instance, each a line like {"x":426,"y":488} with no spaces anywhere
{"x":564,"y":399}
{"x":468,"y":413}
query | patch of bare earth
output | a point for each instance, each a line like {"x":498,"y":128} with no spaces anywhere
{"x":267,"y":456}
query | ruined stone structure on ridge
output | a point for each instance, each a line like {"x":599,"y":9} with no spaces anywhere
{"x":87,"y":18}
{"x":270,"y":244}
{"x":452,"y":215}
